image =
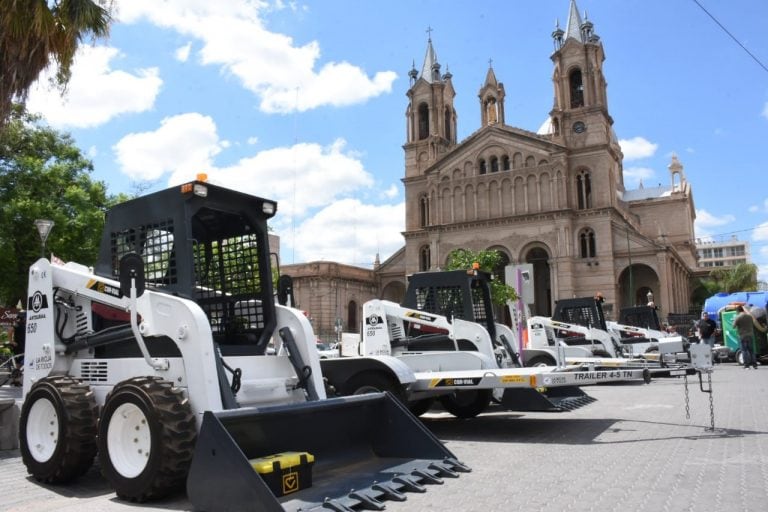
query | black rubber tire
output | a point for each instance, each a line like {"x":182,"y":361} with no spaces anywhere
{"x":75,"y":439}
{"x":540,"y":361}
{"x":419,"y":407}
{"x":467,"y":404}
{"x":171,"y":429}
{"x":601,"y":353}
{"x":371,"y":382}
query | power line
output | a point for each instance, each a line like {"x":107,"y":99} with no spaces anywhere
{"x":732,"y":36}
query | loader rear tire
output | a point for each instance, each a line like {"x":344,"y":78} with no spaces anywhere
{"x":467,"y":404}
{"x":57,"y":429}
{"x":419,"y":407}
{"x":146,"y":438}
{"x":537,"y":361}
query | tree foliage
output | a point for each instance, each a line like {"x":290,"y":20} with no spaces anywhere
{"x":43,"y":175}
{"x":491,"y":261}
{"x":33,"y":33}
{"x":738,"y":278}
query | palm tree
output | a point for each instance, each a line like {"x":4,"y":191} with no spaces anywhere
{"x":739,"y":278}
{"x":35,"y":32}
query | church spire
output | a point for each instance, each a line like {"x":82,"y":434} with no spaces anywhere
{"x":430,"y":71}
{"x":573,"y":28}
{"x":491,"y":99}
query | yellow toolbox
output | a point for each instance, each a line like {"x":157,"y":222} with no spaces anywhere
{"x":285,"y":472}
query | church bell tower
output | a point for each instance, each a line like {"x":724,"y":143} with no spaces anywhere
{"x":430,"y":116}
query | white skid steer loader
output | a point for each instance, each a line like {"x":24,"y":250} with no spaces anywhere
{"x":157,"y":361}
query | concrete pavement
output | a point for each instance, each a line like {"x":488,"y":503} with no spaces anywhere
{"x":632,"y":450}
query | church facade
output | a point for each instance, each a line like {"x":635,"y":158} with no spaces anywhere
{"x":554,"y":199}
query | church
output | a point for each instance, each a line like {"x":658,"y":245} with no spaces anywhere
{"x":554,"y":199}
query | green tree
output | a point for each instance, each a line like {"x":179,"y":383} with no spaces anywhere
{"x":43,"y":175}
{"x":491,"y":261}
{"x":738,"y":278}
{"x":33,"y":33}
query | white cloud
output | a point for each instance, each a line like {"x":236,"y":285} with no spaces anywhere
{"x":633,"y":176}
{"x":183,"y":144}
{"x":349,"y":231}
{"x":759,"y":207}
{"x":301,"y":177}
{"x":271,"y":65}
{"x":765,"y":111}
{"x":96,"y":93}
{"x":182,"y":53}
{"x":252,"y":140}
{"x":637,"y":148}
{"x":705,"y":222}
{"x":760,"y":234}
{"x":391,"y":192}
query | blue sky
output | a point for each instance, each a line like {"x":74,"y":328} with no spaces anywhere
{"x":304,"y":102}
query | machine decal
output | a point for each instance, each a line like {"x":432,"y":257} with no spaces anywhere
{"x":37,"y":302}
{"x":617,"y":374}
{"x":520,"y":379}
{"x":553,"y":380}
{"x":420,"y":316}
{"x":44,"y":362}
{"x":469,"y":381}
{"x":104,"y":288}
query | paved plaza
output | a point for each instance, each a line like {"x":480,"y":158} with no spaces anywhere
{"x":633,"y":449}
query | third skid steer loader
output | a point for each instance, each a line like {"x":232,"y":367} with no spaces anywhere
{"x":157,"y":361}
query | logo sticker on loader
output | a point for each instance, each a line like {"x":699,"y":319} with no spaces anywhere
{"x":290,"y":482}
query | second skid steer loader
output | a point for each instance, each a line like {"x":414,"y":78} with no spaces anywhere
{"x":157,"y":362}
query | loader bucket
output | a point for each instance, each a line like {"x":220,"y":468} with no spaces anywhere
{"x":366,"y":449}
{"x":566,"y":398}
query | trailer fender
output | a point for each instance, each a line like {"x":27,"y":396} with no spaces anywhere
{"x":341,"y":371}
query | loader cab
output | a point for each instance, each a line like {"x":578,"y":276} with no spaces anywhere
{"x":205,"y":243}
{"x":584,"y":311}
{"x":463,"y":294}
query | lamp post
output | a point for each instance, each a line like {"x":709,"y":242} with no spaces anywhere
{"x":44,"y":227}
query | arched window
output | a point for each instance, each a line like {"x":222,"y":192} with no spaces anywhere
{"x":577,"y":89}
{"x":425,"y":258}
{"x":448,"y":123}
{"x":584,"y":190}
{"x":494,"y":164}
{"x":352,"y":316}
{"x":483,"y":168}
{"x":505,"y":163}
{"x":423,"y":121}
{"x":530,"y":161}
{"x":424,"y":210}
{"x":587,"y":245}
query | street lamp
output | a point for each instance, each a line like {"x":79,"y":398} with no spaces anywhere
{"x":44,"y":227}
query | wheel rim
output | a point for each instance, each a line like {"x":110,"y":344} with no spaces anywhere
{"x":366,"y":389}
{"x":42,"y":430}
{"x":129,"y":440}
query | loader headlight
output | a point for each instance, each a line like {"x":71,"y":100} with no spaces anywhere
{"x":200,"y":190}
{"x":268,"y":207}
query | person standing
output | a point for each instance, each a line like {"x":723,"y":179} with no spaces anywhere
{"x":745,"y":324}
{"x":707,"y":328}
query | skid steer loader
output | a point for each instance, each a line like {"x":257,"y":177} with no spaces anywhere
{"x":156,"y":360}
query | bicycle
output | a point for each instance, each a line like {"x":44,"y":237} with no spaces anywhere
{"x":11,"y":369}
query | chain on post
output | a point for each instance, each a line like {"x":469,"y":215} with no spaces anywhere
{"x":687,"y":406}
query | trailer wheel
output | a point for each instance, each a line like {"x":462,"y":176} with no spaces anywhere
{"x":57,"y":429}
{"x":540,"y":361}
{"x":467,"y":404}
{"x":739,"y":357}
{"x":363,"y":383}
{"x":146,"y":438}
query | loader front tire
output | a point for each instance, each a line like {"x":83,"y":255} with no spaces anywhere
{"x":146,"y":438}
{"x":467,"y":404}
{"x":369,"y":382}
{"x":538,"y":361}
{"x":57,"y":429}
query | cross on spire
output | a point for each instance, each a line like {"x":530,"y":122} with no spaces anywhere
{"x":429,"y":33}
